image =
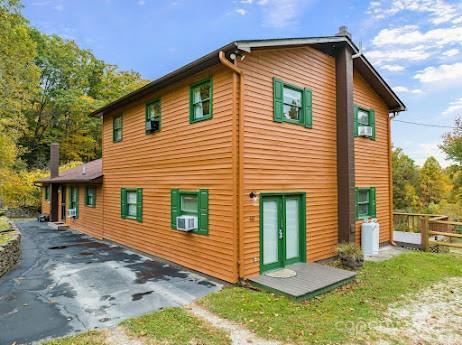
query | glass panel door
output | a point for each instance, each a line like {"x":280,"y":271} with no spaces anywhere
{"x":292,"y":225}
{"x":271,"y":252}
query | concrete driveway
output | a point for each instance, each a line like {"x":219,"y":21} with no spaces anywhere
{"x":68,"y":282}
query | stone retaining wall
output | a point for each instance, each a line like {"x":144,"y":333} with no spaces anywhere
{"x":10,"y":251}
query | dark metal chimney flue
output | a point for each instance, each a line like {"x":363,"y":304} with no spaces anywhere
{"x":54,"y":160}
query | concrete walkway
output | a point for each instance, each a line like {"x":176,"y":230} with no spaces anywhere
{"x":68,"y":282}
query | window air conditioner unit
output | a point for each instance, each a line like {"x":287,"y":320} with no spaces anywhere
{"x":152,"y":125}
{"x":186,"y":223}
{"x":72,"y":212}
{"x":365,"y":131}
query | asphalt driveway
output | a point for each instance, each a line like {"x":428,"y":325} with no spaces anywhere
{"x":68,"y":282}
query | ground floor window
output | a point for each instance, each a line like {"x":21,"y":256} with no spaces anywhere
{"x":90,"y":196}
{"x":74,"y":199}
{"x":365,"y":202}
{"x":131,"y":203}
{"x":47,"y":192}
{"x":194,"y":203}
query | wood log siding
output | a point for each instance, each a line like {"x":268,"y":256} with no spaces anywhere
{"x":372,"y":157}
{"x":287,"y":157}
{"x":181,"y":155}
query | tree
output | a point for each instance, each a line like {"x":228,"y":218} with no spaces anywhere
{"x":452,"y":142}
{"x":405,"y":182}
{"x":434,"y":184}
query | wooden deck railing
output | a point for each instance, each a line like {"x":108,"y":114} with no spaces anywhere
{"x":430,"y":226}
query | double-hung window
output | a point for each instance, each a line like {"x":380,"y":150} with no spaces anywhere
{"x":200,"y":101}
{"x":131,"y":203}
{"x":153,"y":116}
{"x":193,"y":203}
{"x":365,"y":202}
{"x":90,"y":196}
{"x":292,"y":104}
{"x":117,"y":128}
{"x":364,"y":122}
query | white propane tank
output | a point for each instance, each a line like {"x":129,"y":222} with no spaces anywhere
{"x":370,"y":237}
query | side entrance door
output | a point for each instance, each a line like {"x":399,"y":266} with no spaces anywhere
{"x":282,"y":230}
{"x":63,"y":203}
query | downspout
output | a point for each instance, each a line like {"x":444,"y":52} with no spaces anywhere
{"x":237,"y":72}
{"x":390,"y":176}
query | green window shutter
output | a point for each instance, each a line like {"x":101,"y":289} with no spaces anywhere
{"x":139,"y":204}
{"x":113,"y":129}
{"x":355,"y":126}
{"x":203,"y":211}
{"x":308,"y":108}
{"x":356,"y":202}
{"x":372,"y":122}
{"x":76,"y":201}
{"x":123,"y":203}
{"x":174,"y":206}
{"x":278,"y":98}
{"x":94,"y":196}
{"x":372,"y":204}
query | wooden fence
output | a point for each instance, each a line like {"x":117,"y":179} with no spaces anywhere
{"x":431,"y":227}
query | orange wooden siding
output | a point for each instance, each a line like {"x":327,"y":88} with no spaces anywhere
{"x":182,"y":155}
{"x":90,"y":219}
{"x":45,"y":203}
{"x":372,"y":157}
{"x":289,"y":157}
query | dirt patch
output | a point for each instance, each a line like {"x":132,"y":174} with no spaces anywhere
{"x":433,"y":316}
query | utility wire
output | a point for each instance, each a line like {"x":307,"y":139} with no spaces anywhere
{"x":424,"y":124}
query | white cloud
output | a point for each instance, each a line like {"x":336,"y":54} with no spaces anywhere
{"x":282,"y":13}
{"x":390,"y":55}
{"x":441,"y":73}
{"x":404,"y":89}
{"x":393,"y":68}
{"x":451,"y":52}
{"x":410,"y":34}
{"x":249,"y":2}
{"x":453,"y":107}
{"x":439,"y":10}
{"x":241,"y":11}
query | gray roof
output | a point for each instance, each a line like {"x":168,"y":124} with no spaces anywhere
{"x":91,"y":172}
{"x":326,"y":44}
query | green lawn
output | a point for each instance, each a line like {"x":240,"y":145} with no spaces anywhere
{"x":88,"y":338}
{"x":174,"y":326}
{"x":329,"y":319}
{"x":4,"y":225}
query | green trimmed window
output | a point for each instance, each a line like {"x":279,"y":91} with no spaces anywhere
{"x":365,"y":202}
{"x":200,"y":101}
{"x":292,"y":104}
{"x":47,"y":193}
{"x":117,"y":128}
{"x":131,"y":203}
{"x":90,"y":196}
{"x":152,"y":116}
{"x":74,"y":199}
{"x":364,"y":119}
{"x":194,"y":203}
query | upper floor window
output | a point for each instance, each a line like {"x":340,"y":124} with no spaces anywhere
{"x":364,"y":122}
{"x":200,"y":101}
{"x":153,"y":116}
{"x":117,"y":128}
{"x":292,"y":104}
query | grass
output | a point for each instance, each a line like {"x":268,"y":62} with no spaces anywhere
{"x":4,"y":238}
{"x":4,"y":225}
{"x":331,"y":319}
{"x":174,"y":326}
{"x":87,"y":338}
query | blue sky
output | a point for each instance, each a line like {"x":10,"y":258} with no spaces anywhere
{"x":415,"y":44}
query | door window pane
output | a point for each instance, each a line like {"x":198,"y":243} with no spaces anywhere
{"x":270,"y":231}
{"x":292,"y":228}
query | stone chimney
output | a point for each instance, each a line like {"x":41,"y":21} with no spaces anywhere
{"x":54,"y":160}
{"x":343,"y":31}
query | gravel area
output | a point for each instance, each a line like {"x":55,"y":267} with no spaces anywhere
{"x":433,"y":316}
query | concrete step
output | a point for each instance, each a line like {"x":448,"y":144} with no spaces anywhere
{"x":58,"y":225}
